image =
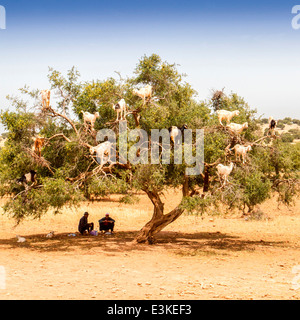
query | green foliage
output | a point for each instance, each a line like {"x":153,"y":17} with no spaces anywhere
{"x":287,"y":137}
{"x":102,"y":186}
{"x":264,"y":121}
{"x":67,"y":173}
{"x":149,"y":177}
{"x":98,"y":97}
{"x":287,"y":191}
{"x":296,"y":121}
{"x":129,"y":199}
{"x":257,"y":189}
{"x":68,"y":87}
{"x":19,"y":125}
{"x":198,"y":205}
{"x":285,"y":158}
{"x":215,"y":143}
{"x":54,"y":193}
{"x":287,"y":120}
{"x":280,"y":124}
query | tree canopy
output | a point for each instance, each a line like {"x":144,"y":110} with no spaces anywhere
{"x":68,"y":173}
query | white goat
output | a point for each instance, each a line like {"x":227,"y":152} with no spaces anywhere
{"x":45,"y":98}
{"x":27,"y":178}
{"x":88,"y":117}
{"x":226,"y":115}
{"x":144,"y":93}
{"x":224,"y":172}
{"x":120,"y":108}
{"x":20,"y":239}
{"x":237,"y":128}
{"x":50,"y":234}
{"x":102,"y":152}
{"x":176,"y":132}
{"x":241,"y":151}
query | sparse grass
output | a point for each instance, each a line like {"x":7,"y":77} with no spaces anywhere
{"x":257,"y":215}
{"x":199,"y":253}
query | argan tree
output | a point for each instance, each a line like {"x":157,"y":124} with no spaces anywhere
{"x":68,"y":173}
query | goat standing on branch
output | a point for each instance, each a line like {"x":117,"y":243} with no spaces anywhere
{"x":241,"y":151}
{"x":237,"y":128}
{"x":272,"y":126}
{"x":226,"y":115}
{"x":103,"y":152}
{"x":224,"y":172}
{"x":45,"y":99}
{"x":120,"y":108}
{"x":144,"y":93}
{"x":91,"y":118}
{"x":37,"y":145}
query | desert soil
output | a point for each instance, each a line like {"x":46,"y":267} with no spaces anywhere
{"x":210,"y":257}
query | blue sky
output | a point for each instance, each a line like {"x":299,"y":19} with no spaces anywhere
{"x":247,"y":47}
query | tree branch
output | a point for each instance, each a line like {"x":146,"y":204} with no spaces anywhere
{"x":56,"y":114}
{"x":59,"y":135}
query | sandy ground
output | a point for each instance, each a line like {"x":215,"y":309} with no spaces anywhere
{"x":209,"y":257}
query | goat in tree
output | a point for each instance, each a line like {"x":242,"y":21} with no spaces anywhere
{"x":28,"y":178}
{"x":103,"y":152}
{"x":120,"y":108}
{"x":241,"y":151}
{"x":224,"y":172}
{"x":45,"y":99}
{"x":226,"y":115}
{"x":237,"y":128}
{"x":176,"y":132}
{"x":91,"y":118}
{"x":144,"y":93}
{"x":38,"y":145}
{"x":272,"y":126}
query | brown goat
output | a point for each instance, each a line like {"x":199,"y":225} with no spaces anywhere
{"x":37,"y":145}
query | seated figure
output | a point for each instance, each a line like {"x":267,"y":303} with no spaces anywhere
{"x":106,"y":223}
{"x":84,"y":226}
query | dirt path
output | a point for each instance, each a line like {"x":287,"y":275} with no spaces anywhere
{"x":195,"y":258}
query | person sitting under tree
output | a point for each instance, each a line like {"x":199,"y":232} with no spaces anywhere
{"x":84,"y":225}
{"x":107,"y":223}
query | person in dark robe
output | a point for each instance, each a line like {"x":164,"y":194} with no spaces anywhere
{"x":84,"y":225}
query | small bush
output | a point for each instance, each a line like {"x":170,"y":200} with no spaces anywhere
{"x":295,"y":133}
{"x":280,"y":124}
{"x":264,"y":121}
{"x":287,"y":120}
{"x":296,"y":121}
{"x":287,"y":137}
{"x":257,"y":215}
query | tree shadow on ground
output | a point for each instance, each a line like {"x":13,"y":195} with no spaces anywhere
{"x":211,"y":243}
{"x":123,"y":241}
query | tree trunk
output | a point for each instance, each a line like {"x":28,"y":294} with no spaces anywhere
{"x":206,"y":179}
{"x":156,"y":224}
{"x":160,"y":220}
